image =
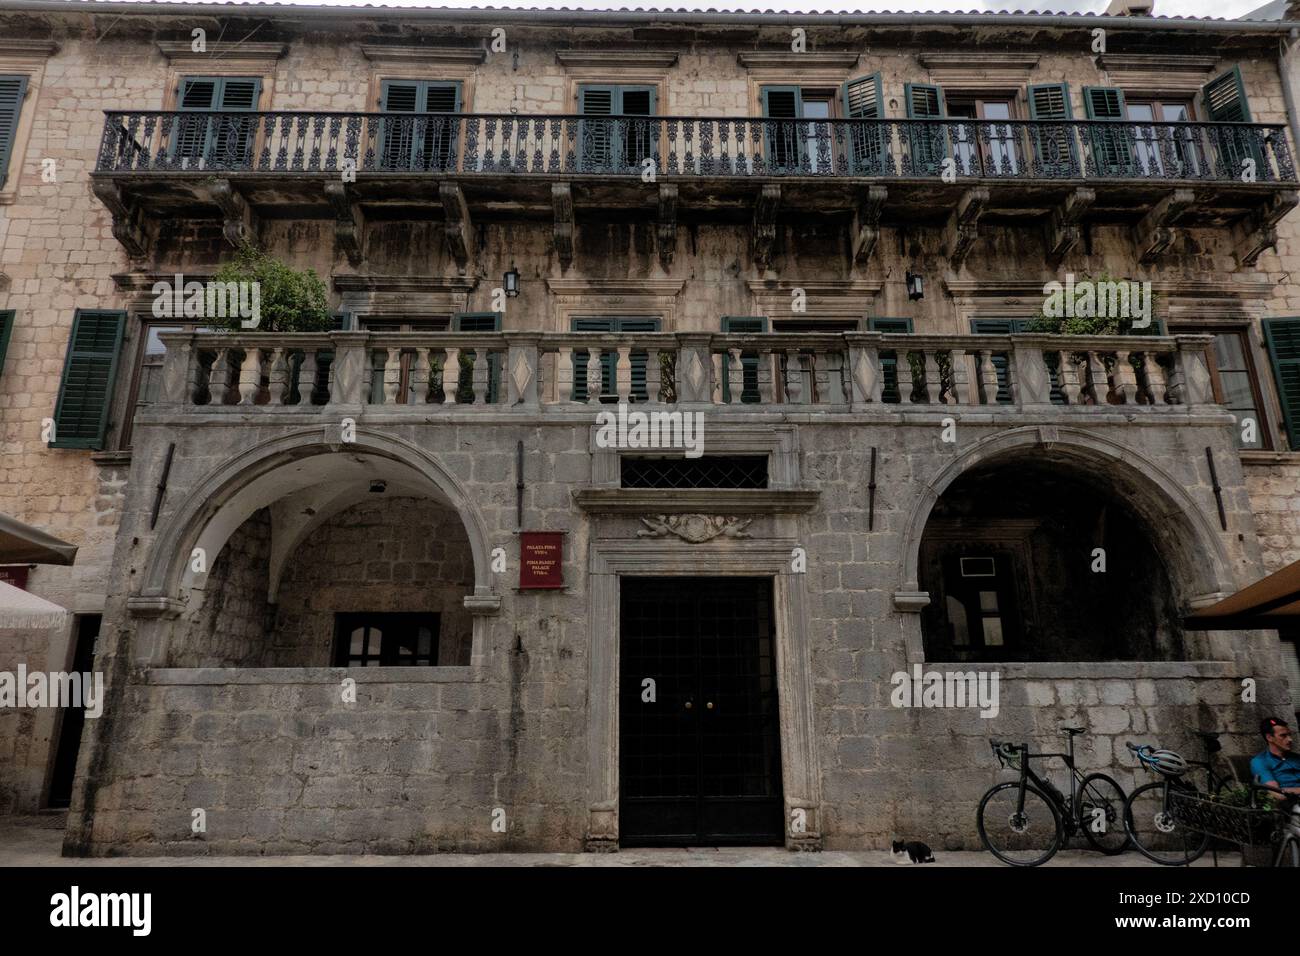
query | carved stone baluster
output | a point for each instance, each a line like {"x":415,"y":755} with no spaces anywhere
{"x":931,"y":377}
{"x":250,"y":376}
{"x":450,"y":376}
{"x":959,"y":388}
{"x":218,"y":376}
{"x":903,"y":363}
{"x":768,"y":365}
{"x":735,"y":376}
{"x":623,"y":374}
{"x":307,"y":377}
{"x":392,"y":375}
{"x":1098,"y":383}
{"x":653,"y":376}
{"x":480,"y":378}
{"x":1069,"y":378}
{"x":278,"y":386}
{"x":988,"y":377}
{"x":594,"y":378}
{"x":1155,"y":376}
{"x":793,"y":377}
{"x":420,"y":377}
{"x":1125,"y":380}
{"x":564,"y":373}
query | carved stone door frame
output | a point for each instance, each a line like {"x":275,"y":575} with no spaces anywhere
{"x":757,"y":556}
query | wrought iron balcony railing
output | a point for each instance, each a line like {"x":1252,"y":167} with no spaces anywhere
{"x":834,"y":372}
{"x":506,"y":144}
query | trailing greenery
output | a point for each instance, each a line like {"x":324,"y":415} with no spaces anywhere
{"x":291,"y":300}
{"x":1086,"y":324}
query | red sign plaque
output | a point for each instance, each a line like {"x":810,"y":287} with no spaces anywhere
{"x":15,"y":575}
{"x":541,"y":559}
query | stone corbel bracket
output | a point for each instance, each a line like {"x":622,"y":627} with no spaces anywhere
{"x":349,"y":221}
{"x":963,"y":225}
{"x":1155,"y":233}
{"x":240,"y":224}
{"x":1063,"y":232}
{"x":128,"y":221}
{"x":666,"y":225}
{"x":1258,"y":231}
{"x":562,"y":202}
{"x":769,"y":201}
{"x":456,"y":223}
{"x":866,"y":223}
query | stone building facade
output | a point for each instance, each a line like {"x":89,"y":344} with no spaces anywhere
{"x":737,"y":243}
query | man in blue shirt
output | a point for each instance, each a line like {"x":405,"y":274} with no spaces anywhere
{"x":1276,"y":766}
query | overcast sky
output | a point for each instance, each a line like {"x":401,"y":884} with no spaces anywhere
{"x":1182,"y":8}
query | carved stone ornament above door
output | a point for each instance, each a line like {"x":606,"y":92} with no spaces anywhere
{"x":695,"y":528}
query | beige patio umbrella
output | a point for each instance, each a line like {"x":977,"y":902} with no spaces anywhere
{"x":22,"y":544}
{"x":22,"y":610}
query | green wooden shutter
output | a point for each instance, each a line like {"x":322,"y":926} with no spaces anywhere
{"x":783,"y":139}
{"x":1053,"y":145}
{"x":1283,"y":339}
{"x":478,"y":322}
{"x":424,"y":143}
{"x":215,"y":141}
{"x":868,"y":143}
{"x":889,"y":360}
{"x":928,"y":140}
{"x":1225,"y":102}
{"x":12,"y":91}
{"x":609,"y":362}
{"x":636,"y":140}
{"x":6,"y":330}
{"x":86,"y":389}
{"x":596,"y":136}
{"x":747,"y":325}
{"x":1001,"y":362}
{"x":1112,"y":147}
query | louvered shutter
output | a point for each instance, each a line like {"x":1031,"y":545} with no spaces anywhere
{"x":220,"y":141}
{"x":440,"y":134}
{"x":869,"y":142}
{"x":638,"y":139}
{"x":397,"y":135}
{"x":12,"y":91}
{"x":889,"y":359}
{"x":637,"y":357}
{"x":1225,"y":102}
{"x":1111,"y":145}
{"x":748,"y":325}
{"x":596,"y":137}
{"x":86,"y":389}
{"x":233,"y":136}
{"x":6,"y":331}
{"x":1283,"y":339}
{"x":1054,"y":148}
{"x":782,"y":105}
{"x":581,"y":358}
{"x":928,"y":141}
{"x":478,"y":322}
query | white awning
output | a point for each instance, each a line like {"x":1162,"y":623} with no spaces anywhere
{"x":22,"y":610}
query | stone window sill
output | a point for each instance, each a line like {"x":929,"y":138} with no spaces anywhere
{"x":1093,"y":670}
{"x":1270,"y":457}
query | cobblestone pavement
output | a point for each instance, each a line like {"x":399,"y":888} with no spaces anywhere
{"x":36,"y":841}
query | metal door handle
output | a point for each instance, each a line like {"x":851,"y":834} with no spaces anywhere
{"x":688,"y":705}
{"x":709,"y":705}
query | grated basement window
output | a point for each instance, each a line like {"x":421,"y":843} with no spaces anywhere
{"x":710,"y":471}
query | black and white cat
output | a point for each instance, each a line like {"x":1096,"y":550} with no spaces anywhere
{"x":911,"y":852}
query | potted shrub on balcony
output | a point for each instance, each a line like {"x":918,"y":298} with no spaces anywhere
{"x":288,"y":300}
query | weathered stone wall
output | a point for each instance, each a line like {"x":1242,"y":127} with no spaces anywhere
{"x":1275,"y":492}
{"x":391,"y":555}
{"x":27,"y":734}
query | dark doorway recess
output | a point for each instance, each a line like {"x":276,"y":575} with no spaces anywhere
{"x":701,"y":763}
{"x":74,"y":718}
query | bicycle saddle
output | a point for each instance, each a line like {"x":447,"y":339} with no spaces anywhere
{"x":1072,"y":730}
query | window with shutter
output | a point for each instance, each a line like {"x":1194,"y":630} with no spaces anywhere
{"x":86,"y":389}
{"x":427,"y":139}
{"x":889,"y":359}
{"x":927,"y":141}
{"x":478,"y":322}
{"x":1225,"y":102}
{"x":609,"y":362}
{"x":1283,"y":339}
{"x":12,"y":91}
{"x":749,"y":361}
{"x":6,"y":330}
{"x":868,"y":142}
{"x":621,"y":143}
{"x":1110,"y":146}
{"x":1054,"y":150}
{"x":213,"y":139}
{"x":782,"y":103}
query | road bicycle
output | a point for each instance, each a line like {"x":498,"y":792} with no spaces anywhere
{"x":1024,"y":822}
{"x":1149,"y":812}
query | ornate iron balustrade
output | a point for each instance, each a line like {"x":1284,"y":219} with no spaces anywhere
{"x":508,"y":144}
{"x":852,"y":371}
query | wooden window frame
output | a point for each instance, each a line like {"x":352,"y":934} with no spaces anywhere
{"x":405,"y":622}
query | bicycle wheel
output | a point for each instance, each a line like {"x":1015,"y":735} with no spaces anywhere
{"x":1155,"y":833}
{"x":1021,"y":838}
{"x":1101,"y":814}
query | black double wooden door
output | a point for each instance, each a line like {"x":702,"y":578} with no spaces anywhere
{"x":699,"y":744}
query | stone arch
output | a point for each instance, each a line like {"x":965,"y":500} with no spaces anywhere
{"x":1196,"y":557}
{"x":305,"y":467}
